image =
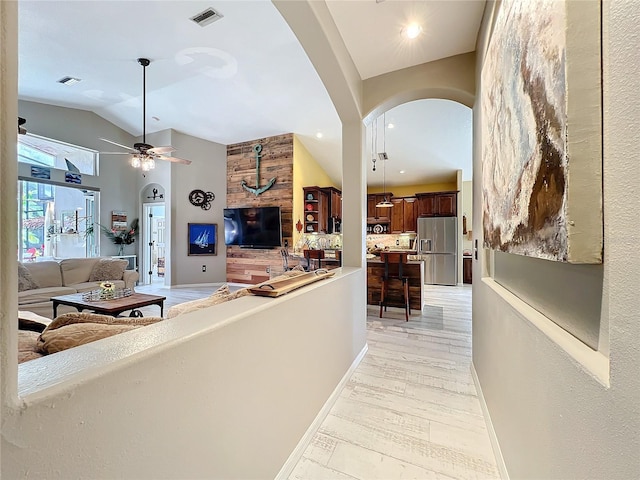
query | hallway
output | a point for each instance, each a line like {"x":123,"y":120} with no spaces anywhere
{"x":410,"y":409}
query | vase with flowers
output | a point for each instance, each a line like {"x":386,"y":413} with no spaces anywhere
{"x":122,"y":237}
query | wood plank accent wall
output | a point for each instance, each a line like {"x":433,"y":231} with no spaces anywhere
{"x":245,"y":265}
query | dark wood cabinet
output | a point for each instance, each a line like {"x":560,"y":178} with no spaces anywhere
{"x":426,"y":205}
{"x":375,"y":214}
{"x":410,"y":214}
{"x":467,"y":270}
{"x":397,"y":215}
{"x":316,"y":210}
{"x":322,"y":209}
{"x":371,"y":206}
{"x":437,"y":204}
{"x":335,"y":203}
{"x":446,"y":204}
{"x":403,"y":215}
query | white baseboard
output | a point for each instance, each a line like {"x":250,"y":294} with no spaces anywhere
{"x":502,"y":468}
{"x":304,"y":442}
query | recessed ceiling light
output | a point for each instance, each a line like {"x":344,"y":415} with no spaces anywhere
{"x":68,"y":80}
{"x":411,"y":31}
{"x":319,"y":135}
{"x":391,"y":125}
{"x":401,"y":171}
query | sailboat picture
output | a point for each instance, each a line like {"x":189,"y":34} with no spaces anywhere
{"x":203,"y":238}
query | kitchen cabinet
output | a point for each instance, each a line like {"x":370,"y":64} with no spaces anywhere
{"x":467,"y":270}
{"x":335,"y":202}
{"x":426,"y":205}
{"x":437,"y":204}
{"x":403,"y":215}
{"x":446,"y":204}
{"x":397,"y":215}
{"x":316,"y":210}
{"x":410,"y":212}
{"x":322,"y":209}
{"x":378,"y":215}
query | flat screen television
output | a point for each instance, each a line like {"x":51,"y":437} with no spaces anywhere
{"x":253,"y":227}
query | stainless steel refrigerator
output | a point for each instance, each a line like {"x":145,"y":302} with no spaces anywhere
{"x":438,"y":239}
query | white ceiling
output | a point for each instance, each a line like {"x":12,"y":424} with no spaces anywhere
{"x":372,"y":31}
{"x":244,"y":76}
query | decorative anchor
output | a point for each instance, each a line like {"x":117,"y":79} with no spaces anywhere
{"x":258,"y":189}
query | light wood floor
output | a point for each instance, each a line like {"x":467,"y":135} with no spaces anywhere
{"x":410,"y":409}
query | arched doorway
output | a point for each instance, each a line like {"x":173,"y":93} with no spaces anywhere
{"x":428,"y":146}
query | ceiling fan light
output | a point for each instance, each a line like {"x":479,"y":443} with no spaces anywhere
{"x":148,"y":163}
{"x":135,"y":161}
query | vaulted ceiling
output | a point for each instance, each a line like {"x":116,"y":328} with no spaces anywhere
{"x":245,"y":75}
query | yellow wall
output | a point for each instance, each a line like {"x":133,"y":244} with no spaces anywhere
{"x":306,"y":173}
{"x":409,"y":190}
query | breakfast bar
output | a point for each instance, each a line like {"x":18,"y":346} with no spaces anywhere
{"x":412,"y":269}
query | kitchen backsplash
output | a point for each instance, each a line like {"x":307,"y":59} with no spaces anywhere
{"x":392,"y":241}
{"x":319,"y":241}
{"x":334,"y":241}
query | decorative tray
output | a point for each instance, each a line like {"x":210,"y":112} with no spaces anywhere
{"x":276,"y":288}
{"x":100,"y":295}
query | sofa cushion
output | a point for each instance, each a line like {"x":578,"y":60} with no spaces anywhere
{"x":73,"y":329}
{"x":221,"y":295}
{"x":76,"y":270}
{"x":46,"y":274}
{"x":28,"y":346}
{"x":88,"y":286}
{"x":25,"y":280}
{"x":108,"y":269}
{"x":43,"y":294}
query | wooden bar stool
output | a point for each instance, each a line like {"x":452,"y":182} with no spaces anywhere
{"x":393,"y":262}
{"x":315,"y":255}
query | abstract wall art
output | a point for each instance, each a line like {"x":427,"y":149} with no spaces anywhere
{"x":542,"y":131}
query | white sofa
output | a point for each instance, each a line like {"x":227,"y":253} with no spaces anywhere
{"x":64,"y":277}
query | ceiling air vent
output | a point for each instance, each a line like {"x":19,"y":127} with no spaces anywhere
{"x":68,"y":80}
{"x":205,"y":18}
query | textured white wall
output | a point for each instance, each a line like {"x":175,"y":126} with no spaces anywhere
{"x":552,"y":416}
{"x":225,"y":392}
{"x":208,"y":172}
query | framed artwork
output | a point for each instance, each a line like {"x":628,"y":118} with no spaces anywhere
{"x":203,"y":238}
{"x":41,"y":172}
{"x":70,"y":177}
{"x":542,"y":131}
{"x":118,"y":220}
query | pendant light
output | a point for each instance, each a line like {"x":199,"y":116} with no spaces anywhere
{"x":385,"y":203}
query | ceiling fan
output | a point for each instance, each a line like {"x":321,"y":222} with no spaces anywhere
{"x":143,"y":155}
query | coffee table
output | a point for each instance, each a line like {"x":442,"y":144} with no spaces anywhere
{"x":110,"y":307}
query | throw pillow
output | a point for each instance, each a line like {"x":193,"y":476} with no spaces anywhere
{"x":108,"y":269}
{"x":25,"y":280}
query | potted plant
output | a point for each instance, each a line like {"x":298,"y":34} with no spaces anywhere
{"x":122,"y":237}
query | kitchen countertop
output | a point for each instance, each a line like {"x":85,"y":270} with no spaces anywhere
{"x":409,"y":262}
